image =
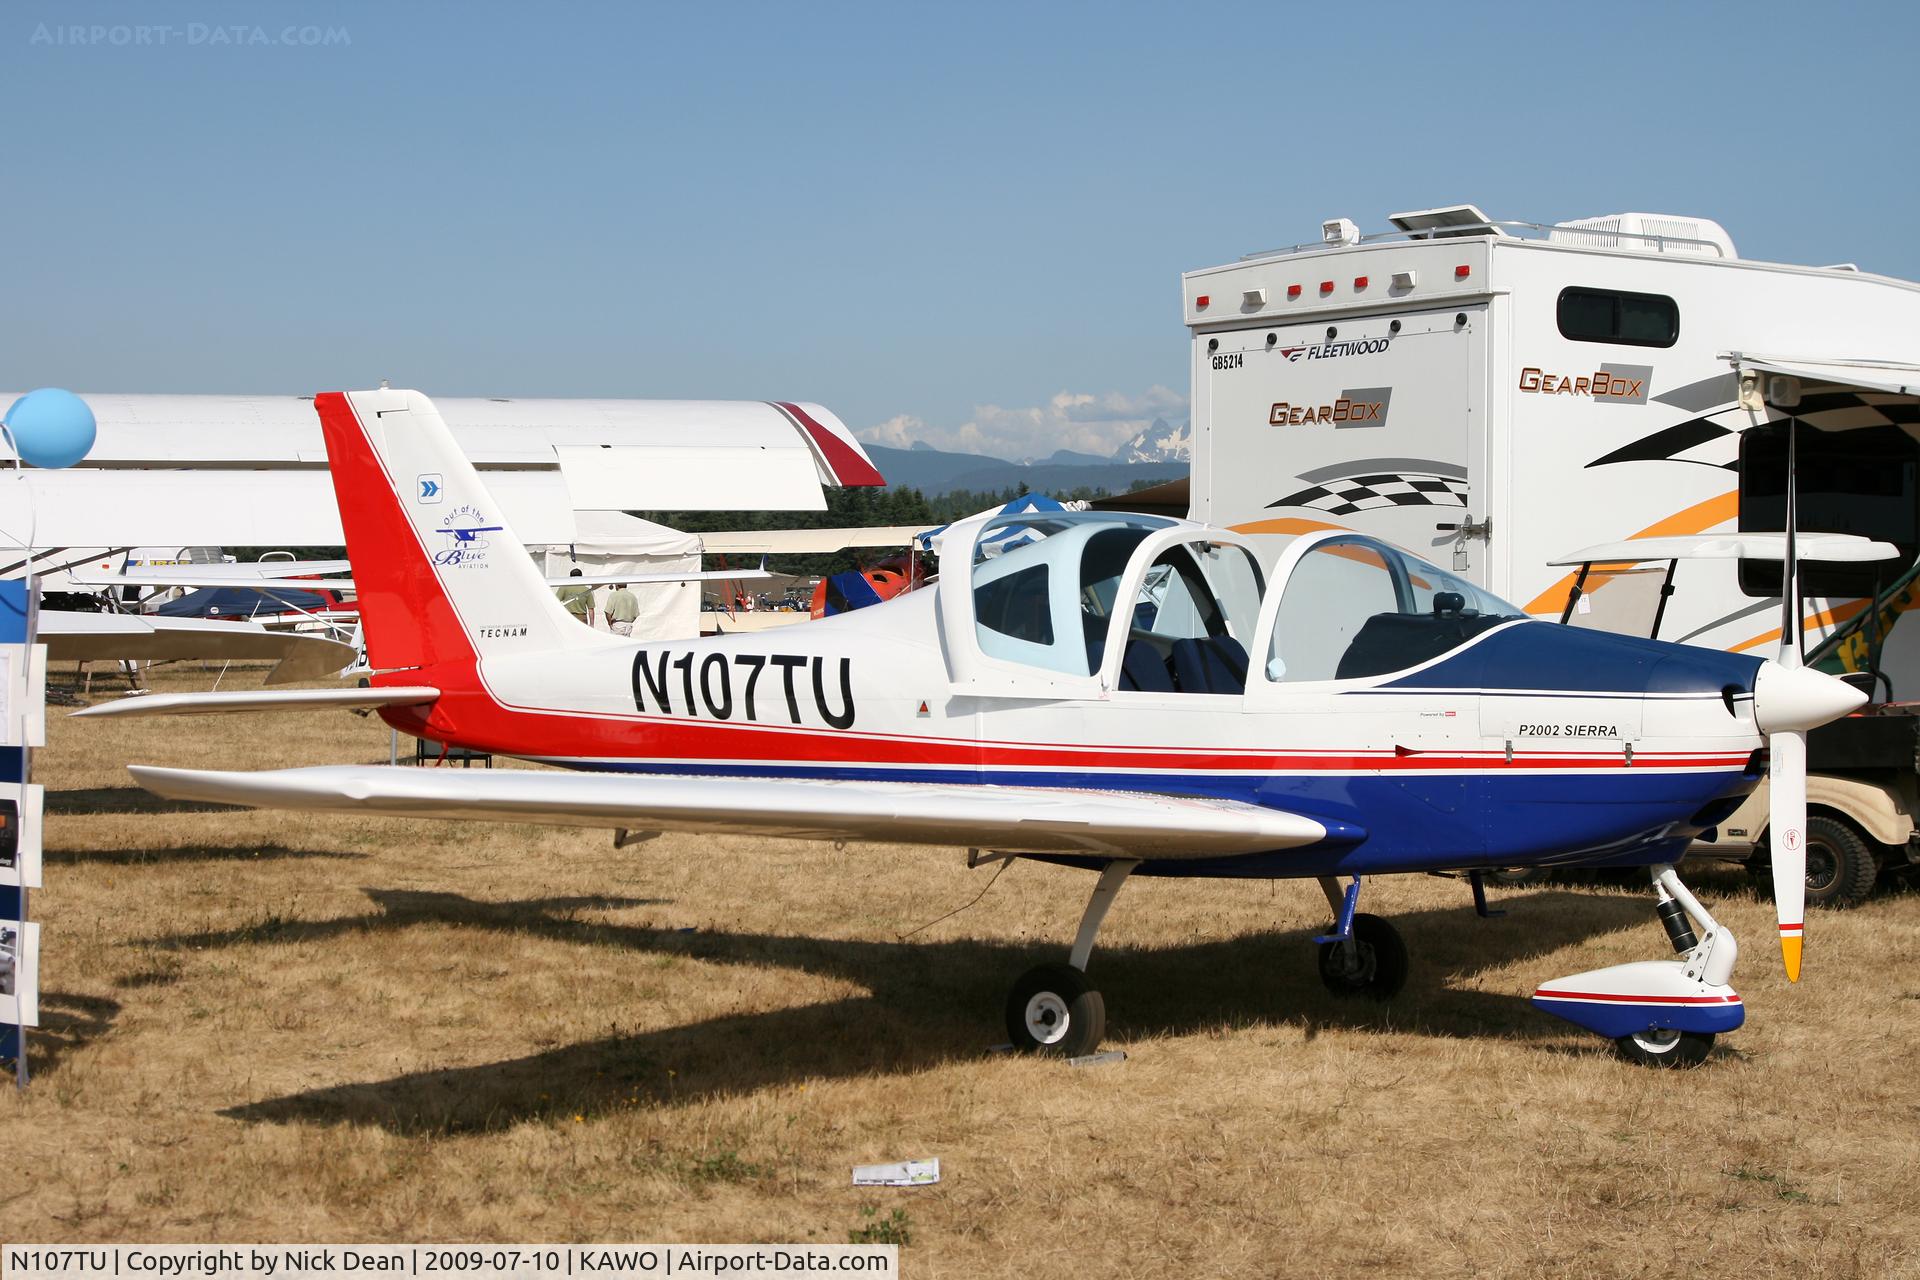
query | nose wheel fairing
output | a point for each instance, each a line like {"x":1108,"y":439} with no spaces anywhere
{"x":1660,"y":1012}
{"x":1646,"y":995}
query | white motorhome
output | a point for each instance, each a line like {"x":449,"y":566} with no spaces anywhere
{"x":1501,"y":394}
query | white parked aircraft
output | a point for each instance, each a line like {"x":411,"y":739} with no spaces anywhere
{"x":1129,"y":694}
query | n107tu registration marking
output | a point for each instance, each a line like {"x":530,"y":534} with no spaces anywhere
{"x":712,"y":685}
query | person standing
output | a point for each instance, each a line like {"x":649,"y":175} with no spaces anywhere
{"x":622,"y":609}
{"x":577,"y":599}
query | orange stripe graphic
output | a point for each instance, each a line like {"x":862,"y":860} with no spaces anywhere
{"x":1695,"y":519}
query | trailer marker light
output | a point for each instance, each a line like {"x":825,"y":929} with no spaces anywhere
{"x":1462,"y":271}
{"x":1293,"y":291}
{"x":1200,"y":303}
{"x":1326,"y":286}
{"x":1359,"y":282}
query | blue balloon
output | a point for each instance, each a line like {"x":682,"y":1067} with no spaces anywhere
{"x":50,"y":427}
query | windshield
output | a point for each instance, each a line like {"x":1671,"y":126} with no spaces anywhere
{"x":1356,"y":606}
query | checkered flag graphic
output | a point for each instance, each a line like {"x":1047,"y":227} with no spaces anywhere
{"x":1343,"y":497}
{"x":1713,"y":440}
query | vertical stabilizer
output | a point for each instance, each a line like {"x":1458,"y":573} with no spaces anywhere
{"x":439,"y":576}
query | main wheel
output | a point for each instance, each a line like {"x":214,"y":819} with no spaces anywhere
{"x":1373,"y":964}
{"x":1840,"y":866}
{"x":1665,"y":1047}
{"x":1052,"y":1009}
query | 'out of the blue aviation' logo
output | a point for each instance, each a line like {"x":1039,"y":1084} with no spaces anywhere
{"x":464,"y":525}
{"x":432,"y":488}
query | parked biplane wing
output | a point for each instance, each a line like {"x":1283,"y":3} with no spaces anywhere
{"x":115,"y":637}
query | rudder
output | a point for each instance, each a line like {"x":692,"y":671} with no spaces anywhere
{"x":439,"y":576}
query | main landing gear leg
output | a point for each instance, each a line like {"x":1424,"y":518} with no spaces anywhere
{"x":1364,"y":955}
{"x":1053,"y":1009}
{"x":1659,"y":1013}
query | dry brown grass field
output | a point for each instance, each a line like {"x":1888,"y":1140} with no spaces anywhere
{"x":271,"y":1027}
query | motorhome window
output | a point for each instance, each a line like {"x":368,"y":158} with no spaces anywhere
{"x":1354,"y":607}
{"x":1630,"y":319}
{"x":1864,"y":481}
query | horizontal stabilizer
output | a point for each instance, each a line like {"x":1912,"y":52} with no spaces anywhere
{"x":1010,"y":819}
{"x":193,"y":704}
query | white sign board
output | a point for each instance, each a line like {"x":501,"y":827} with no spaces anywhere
{"x":19,"y":974}
{"x":23,"y":866}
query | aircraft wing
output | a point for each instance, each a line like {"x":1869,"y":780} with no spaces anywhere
{"x":197,"y":581}
{"x":1009,"y":819}
{"x":759,"y":542}
{"x":193,"y":704}
{"x":114,"y":637}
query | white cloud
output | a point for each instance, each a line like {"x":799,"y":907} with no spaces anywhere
{"x":1074,"y":420}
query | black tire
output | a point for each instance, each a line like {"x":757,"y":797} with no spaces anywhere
{"x":1512,"y":877}
{"x":1665,"y":1048}
{"x":1053,"y":1010}
{"x":1840,"y":866}
{"x":1374,"y":964}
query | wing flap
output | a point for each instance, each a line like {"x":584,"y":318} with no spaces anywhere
{"x":191,"y":704}
{"x":1012,"y":819}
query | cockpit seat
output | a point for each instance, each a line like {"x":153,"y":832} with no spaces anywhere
{"x":1143,"y":670}
{"x":1396,"y":641}
{"x":1217,"y":664}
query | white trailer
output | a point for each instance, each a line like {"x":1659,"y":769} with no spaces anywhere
{"x":1503,"y":394}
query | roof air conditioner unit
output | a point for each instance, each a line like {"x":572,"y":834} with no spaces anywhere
{"x":1647,"y":233}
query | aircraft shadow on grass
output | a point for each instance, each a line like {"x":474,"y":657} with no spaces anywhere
{"x":189,"y":853}
{"x":94,"y":800}
{"x":927,"y":1002}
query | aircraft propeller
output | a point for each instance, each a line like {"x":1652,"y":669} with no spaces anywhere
{"x":1789,"y":699}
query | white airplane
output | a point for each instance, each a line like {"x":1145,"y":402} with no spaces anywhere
{"x":1128,"y":694}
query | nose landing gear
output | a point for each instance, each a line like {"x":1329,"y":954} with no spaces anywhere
{"x":1660,"y":1013}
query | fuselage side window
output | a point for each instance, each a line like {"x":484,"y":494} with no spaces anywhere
{"x":1044,"y":586}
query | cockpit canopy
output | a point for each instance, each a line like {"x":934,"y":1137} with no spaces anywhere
{"x":1353,"y":606}
{"x":1071,"y":603}
{"x":1047,"y":589}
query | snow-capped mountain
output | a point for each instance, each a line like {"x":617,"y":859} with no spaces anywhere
{"x":1161,"y":442}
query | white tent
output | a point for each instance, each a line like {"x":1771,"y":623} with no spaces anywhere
{"x":612,"y":542}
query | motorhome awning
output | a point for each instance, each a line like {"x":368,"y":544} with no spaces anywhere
{"x":1881,"y":377}
{"x":1825,"y":547}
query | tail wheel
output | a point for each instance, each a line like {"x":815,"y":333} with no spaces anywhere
{"x":1372,"y":963}
{"x":1054,"y":1010}
{"x":1665,"y":1047}
{"x":1840,"y":867}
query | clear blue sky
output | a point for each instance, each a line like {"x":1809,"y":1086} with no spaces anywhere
{"x":945,"y":215}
